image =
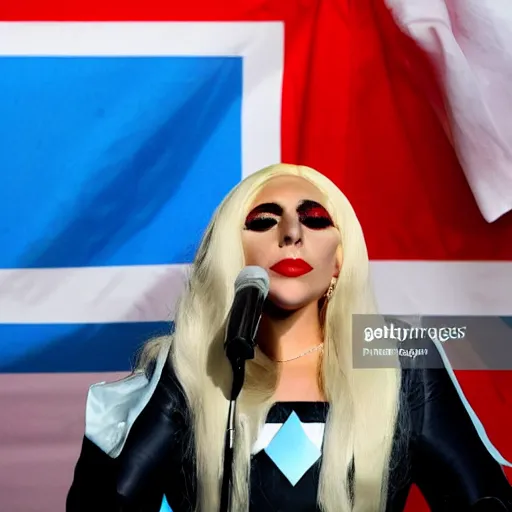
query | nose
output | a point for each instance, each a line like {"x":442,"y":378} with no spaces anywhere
{"x":290,"y":232}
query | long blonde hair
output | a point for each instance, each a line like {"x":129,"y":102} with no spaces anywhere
{"x":363,"y":403}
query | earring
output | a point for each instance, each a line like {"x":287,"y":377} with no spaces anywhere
{"x":330,"y":290}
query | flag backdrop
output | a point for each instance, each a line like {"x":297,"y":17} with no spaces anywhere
{"x":124,"y":125}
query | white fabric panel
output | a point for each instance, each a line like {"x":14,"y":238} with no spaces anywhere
{"x":315,"y":432}
{"x":149,"y":293}
{"x":469,"y":42}
{"x":113,"y":407}
{"x":443,"y":287}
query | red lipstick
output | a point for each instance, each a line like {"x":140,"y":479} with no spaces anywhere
{"x":292,"y":268}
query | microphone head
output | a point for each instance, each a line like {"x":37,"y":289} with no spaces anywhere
{"x":253,"y":275}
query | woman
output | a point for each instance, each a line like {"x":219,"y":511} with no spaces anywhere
{"x":161,"y":431}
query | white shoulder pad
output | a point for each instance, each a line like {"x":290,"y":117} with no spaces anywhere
{"x":113,"y":407}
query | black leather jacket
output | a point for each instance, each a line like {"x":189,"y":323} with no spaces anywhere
{"x":445,"y":456}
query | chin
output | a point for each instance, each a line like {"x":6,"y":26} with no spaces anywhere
{"x":289,"y":301}
{"x":286,"y":306}
{"x":292,"y":294}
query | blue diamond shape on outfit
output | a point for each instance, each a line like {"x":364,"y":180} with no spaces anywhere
{"x":292,"y":451}
{"x":165,"y":507}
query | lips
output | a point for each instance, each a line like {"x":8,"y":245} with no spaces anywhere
{"x":292,"y":267}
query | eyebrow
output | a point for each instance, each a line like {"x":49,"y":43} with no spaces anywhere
{"x":274,"y":208}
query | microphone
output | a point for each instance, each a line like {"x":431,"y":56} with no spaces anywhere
{"x":251,"y":290}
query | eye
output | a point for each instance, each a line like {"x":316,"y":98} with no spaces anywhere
{"x":316,"y":218}
{"x":260,"y":223}
{"x":316,"y":222}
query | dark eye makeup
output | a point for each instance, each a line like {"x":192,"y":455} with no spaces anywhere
{"x":312,"y":214}
{"x":260,"y":223}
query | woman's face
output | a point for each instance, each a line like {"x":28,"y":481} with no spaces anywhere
{"x":289,"y":233}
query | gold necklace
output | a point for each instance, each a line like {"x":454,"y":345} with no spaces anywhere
{"x":314,"y":349}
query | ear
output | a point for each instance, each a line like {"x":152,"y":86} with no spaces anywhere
{"x":339,"y":261}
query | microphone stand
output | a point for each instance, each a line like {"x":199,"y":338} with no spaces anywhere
{"x":237,"y":351}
